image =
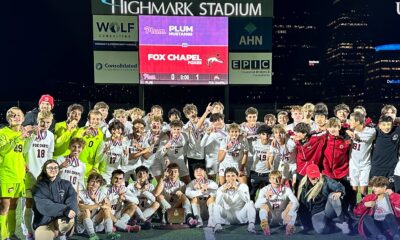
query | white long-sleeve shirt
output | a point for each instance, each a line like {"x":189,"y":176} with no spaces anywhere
{"x":233,"y":200}
{"x":38,"y":150}
{"x":192,"y":191}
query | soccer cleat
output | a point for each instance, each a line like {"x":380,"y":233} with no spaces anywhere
{"x":94,"y":237}
{"x":344,"y":227}
{"x":251,"y":228}
{"x":265,"y":227}
{"x":218,"y":228}
{"x":192,"y":222}
{"x":199,"y":224}
{"x":146,"y":225}
{"x":290,"y":229}
{"x":134,"y":228}
{"x":113,"y":236}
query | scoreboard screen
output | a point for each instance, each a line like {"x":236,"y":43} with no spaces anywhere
{"x":183,"y":50}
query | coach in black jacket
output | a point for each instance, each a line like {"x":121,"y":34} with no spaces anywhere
{"x":55,"y":203}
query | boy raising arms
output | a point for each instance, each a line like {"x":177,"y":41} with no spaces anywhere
{"x":66,"y":129}
{"x":201,"y":191}
{"x":233,"y":152}
{"x":233,"y":204}
{"x":13,"y":167}
{"x":38,"y":149}
{"x":170,"y":193}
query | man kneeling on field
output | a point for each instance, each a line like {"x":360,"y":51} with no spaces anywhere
{"x":233,"y":204}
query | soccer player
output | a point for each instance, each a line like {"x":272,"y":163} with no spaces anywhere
{"x":95,"y":209}
{"x":46,"y":104}
{"x":174,"y":149}
{"x":201,"y":191}
{"x":38,"y":149}
{"x":195,"y":129}
{"x":144,"y":191}
{"x":297,"y":116}
{"x":170,"y":193}
{"x":71,"y":167}
{"x":360,"y":154}
{"x":386,"y":149}
{"x":156,"y":110}
{"x":249,"y":130}
{"x":320,"y":117}
{"x":153,"y":137}
{"x":136,"y":113}
{"x":211,"y":141}
{"x":277,"y":204}
{"x":342,"y":112}
{"x":93,"y":137}
{"x":283,"y":118}
{"x":122,"y":116}
{"x":308,"y":113}
{"x":139,"y":150}
{"x":12,"y":174}
{"x":261,"y":164}
{"x":284,"y":153}
{"x":103,"y":108}
{"x":270,"y":120}
{"x":66,"y":129}
{"x":233,"y":204}
{"x":233,"y":152}
{"x":124,"y":203}
{"x":114,"y":152}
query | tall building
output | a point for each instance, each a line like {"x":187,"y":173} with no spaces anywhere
{"x":298,"y":65}
{"x":348,"y":45}
{"x":382,"y":83}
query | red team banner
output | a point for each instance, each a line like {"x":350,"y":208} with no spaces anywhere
{"x":183,"y":50}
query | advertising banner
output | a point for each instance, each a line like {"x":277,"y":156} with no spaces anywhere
{"x":116,"y":67}
{"x":250,"y":68}
{"x":228,"y":8}
{"x":250,"y":34}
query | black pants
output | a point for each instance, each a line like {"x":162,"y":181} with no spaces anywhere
{"x":191,"y":163}
{"x":257,"y":181}
{"x":350,"y":198}
{"x":373,"y":228}
{"x":396,"y":183}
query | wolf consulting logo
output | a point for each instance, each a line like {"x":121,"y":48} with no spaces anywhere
{"x":114,"y":29}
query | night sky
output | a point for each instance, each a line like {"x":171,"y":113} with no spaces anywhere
{"x":49,"y":43}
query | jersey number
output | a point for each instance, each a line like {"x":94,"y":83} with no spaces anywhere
{"x":263,"y":157}
{"x":112,"y":160}
{"x":91,"y":144}
{"x":18,"y":148}
{"x":72,"y":179}
{"x":41,"y":153}
{"x":356,"y":146}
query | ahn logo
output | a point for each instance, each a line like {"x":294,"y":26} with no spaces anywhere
{"x":115,"y":27}
{"x":250,"y":64}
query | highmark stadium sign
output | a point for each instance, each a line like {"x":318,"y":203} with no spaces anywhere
{"x":238,"y":8}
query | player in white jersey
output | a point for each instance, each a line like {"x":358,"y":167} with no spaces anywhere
{"x":195,"y":129}
{"x":360,"y":153}
{"x":113,"y":154}
{"x":174,"y":148}
{"x":38,"y":149}
{"x":201,"y":191}
{"x":152,"y":137}
{"x":170,"y":193}
{"x":278,"y":205}
{"x":284,"y":154}
{"x":233,"y":152}
{"x":138,"y":150}
{"x":297,"y":115}
{"x":71,"y":167}
{"x":211,"y":142}
{"x":95,"y":209}
{"x":249,"y":130}
{"x":144,"y":191}
{"x":123,"y":202}
{"x":261,"y":160}
{"x":308,"y":113}
{"x":122,"y":116}
{"x":233,"y":204}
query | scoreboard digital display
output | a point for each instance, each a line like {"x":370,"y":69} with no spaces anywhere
{"x":183,"y":50}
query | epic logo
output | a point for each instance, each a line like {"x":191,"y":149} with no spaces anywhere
{"x":115,"y":27}
{"x":250,"y":64}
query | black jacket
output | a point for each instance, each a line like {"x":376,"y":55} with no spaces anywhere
{"x":53,"y":200}
{"x":31,"y":119}
{"x":318,"y":205}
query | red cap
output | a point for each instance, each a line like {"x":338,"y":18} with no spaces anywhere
{"x":47,"y":98}
{"x":312,"y":171}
